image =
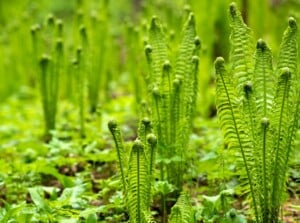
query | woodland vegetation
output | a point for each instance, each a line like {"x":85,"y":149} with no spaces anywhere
{"x":149,"y":111}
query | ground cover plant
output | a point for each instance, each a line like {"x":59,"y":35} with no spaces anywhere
{"x":114,"y":111}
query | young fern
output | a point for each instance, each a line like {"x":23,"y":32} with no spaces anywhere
{"x":99,"y":33}
{"x":136,"y":172}
{"x":137,"y":182}
{"x":122,"y":156}
{"x":51,"y":63}
{"x":80,"y":81}
{"x":173,"y":93}
{"x":182,"y":211}
{"x":258,"y":113}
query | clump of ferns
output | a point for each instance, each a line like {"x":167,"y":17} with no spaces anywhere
{"x":136,"y":168}
{"x":173,"y":92}
{"x":258,"y":112}
{"x":47,"y":40}
{"x":89,"y":64}
{"x":94,"y":31}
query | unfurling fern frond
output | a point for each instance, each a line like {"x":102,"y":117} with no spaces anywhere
{"x":158,"y":53}
{"x":258,"y":112}
{"x":241,"y":49}
{"x":182,"y":211}
{"x":288,"y":48}
{"x":264,"y":79}
{"x":122,"y":156}
{"x":145,"y":128}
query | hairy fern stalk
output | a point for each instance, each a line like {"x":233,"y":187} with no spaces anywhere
{"x":173,"y":92}
{"x":258,"y":112}
{"x":136,"y":168}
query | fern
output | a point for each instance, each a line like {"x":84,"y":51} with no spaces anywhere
{"x":241,"y":50}
{"x":182,"y":211}
{"x":258,"y":108}
{"x":232,"y":123}
{"x":50,"y":65}
{"x":174,"y":91}
{"x":122,"y":156}
{"x":137,"y":171}
{"x":137,"y":183}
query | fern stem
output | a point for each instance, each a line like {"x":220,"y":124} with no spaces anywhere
{"x":156,"y":96}
{"x":138,"y":148}
{"x":116,"y":133}
{"x":265,"y":123}
{"x":81,"y":85}
{"x":44,"y":87}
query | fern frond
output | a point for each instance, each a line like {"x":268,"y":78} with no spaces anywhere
{"x":264,"y":93}
{"x":249,"y":109}
{"x":194,"y":71}
{"x":241,"y":49}
{"x":138,"y":184}
{"x":281,"y":123}
{"x":176,"y":101}
{"x":288,"y":48}
{"x":263,"y":164}
{"x":286,"y":97}
{"x":158,"y":52}
{"x":151,"y":144}
{"x":150,"y":155}
{"x":264,"y":79}
{"x":157,"y":120}
{"x":144,"y":129}
{"x":44,"y":69}
{"x":122,"y":156}
{"x":186,"y":68}
{"x":288,"y":54}
{"x":165,"y":102}
{"x":186,"y":73}
{"x":182,"y":211}
{"x":263,"y":126}
{"x":232,"y":123}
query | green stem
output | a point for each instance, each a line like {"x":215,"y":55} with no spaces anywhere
{"x":265,"y":123}
{"x":138,"y":186}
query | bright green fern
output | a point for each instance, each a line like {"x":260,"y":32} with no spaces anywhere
{"x":258,"y":112}
{"x":174,"y":91}
{"x":136,"y":169}
{"x":48,"y":41}
{"x":182,"y":211}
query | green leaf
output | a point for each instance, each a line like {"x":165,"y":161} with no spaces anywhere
{"x":37,"y":196}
